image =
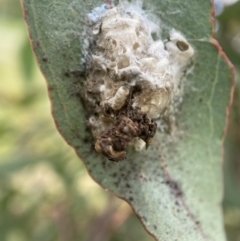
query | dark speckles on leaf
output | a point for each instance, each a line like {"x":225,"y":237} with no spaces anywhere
{"x":141,"y":176}
{"x":128,"y":186}
{"x":104,"y":163}
{"x":186,"y":95}
{"x":37,"y":44}
{"x":66,"y":74}
{"x":197,"y":223}
{"x":121,"y":169}
{"x":128,"y":173}
{"x":131,"y":199}
{"x":174,"y":188}
{"x":114,"y":174}
{"x":44,"y":59}
{"x":76,"y":75}
{"x":50,"y":87}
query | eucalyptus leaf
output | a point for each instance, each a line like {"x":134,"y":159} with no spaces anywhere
{"x":175,"y":187}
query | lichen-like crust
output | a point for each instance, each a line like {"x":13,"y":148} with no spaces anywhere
{"x":129,"y":124}
{"x":127,"y":69}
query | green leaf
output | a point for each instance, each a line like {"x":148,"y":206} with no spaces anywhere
{"x":175,"y":187}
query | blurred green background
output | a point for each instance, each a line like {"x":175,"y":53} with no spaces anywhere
{"x":45,"y":191}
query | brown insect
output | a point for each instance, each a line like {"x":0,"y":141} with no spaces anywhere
{"x":114,"y":142}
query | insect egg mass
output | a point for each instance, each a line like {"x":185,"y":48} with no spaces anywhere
{"x":132,"y":80}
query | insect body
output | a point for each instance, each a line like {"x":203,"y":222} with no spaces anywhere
{"x":114,"y":142}
{"x":131,"y":79}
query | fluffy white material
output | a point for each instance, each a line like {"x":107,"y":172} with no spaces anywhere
{"x":124,"y":55}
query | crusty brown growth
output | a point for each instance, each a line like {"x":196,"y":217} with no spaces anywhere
{"x":132,"y":80}
{"x":130,"y":124}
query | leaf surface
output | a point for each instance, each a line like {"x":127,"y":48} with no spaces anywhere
{"x":175,"y":187}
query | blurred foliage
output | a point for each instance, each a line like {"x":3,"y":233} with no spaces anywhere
{"x":228,"y":35}
{"x":45,"y":192}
